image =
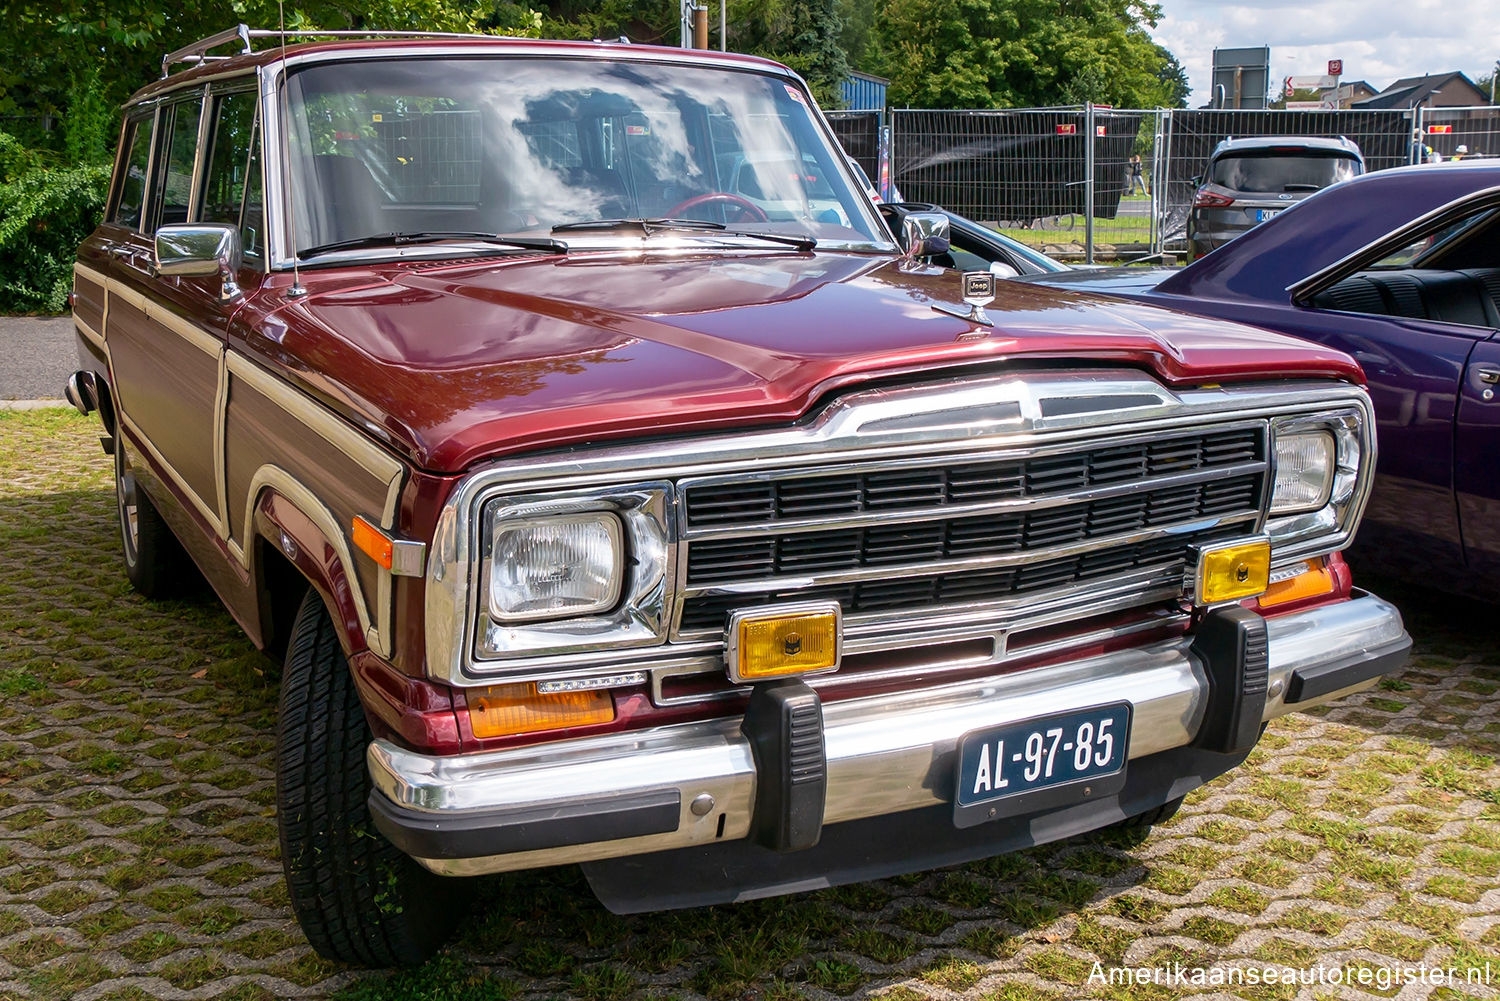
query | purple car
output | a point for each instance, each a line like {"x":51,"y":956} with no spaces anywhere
{"x":1401,"y":269}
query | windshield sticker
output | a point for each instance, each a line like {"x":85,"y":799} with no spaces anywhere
{"x":796,"y":94}
{"x":637,"y":130}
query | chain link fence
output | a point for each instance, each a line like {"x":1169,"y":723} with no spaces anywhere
{"x":1067,"y":181}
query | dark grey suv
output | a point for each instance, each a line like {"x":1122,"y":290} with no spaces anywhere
{"x":1250,"y":180}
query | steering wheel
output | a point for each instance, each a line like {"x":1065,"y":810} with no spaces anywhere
{"x":748,"y":209}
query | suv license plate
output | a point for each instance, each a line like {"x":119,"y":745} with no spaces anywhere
{"x":1261,"y":215}
{"x":1042,"y":762}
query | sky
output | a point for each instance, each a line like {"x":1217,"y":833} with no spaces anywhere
{"x":1379,"y":40}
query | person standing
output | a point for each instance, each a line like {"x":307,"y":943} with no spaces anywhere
{"x":1137,"y":176}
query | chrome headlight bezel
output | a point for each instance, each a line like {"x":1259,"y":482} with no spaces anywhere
{"x":1328,"y":527}
{"x":459,"y":599}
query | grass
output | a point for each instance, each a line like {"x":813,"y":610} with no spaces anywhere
{"x":137,"y":814}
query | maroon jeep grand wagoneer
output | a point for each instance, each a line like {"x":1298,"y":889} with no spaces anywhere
{"x":619,"y":490}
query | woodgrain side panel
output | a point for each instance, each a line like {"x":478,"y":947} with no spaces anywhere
{"x":275,"y":438}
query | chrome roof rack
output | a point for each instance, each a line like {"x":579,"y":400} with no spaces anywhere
{"x":198,"y":51}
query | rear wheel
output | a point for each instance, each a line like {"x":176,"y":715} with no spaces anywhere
{"x":155,"y":561}
{"x":358,"y":898}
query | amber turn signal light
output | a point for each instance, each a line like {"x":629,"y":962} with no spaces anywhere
{"x":1230,"y":571}
{"x":1316,"y":580}
{"x":505,"y":710}
{"x":372,"y":542}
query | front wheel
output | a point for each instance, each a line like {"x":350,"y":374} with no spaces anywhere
{"x":1145,"y":821}
{"x":359,"y":899}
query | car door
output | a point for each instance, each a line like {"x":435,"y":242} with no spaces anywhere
{"x":1477,"y":466}
{"x":165,"y":357}
{"x":167,"y":333}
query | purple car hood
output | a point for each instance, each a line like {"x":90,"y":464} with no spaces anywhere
{"x":1325,"y":228}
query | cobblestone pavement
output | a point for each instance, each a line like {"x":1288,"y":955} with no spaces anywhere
{"x":138,"y":853}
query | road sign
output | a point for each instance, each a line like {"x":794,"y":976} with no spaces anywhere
{"x":1335,"y":67}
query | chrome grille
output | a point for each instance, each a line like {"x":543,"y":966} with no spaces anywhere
{"x":974,"y":529}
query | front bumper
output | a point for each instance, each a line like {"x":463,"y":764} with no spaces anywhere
{"x":694,"y":785}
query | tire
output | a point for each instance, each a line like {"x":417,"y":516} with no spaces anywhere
{"x":357,"y":897}
{"x":1145,"y":821}
{"x":155,"y":562}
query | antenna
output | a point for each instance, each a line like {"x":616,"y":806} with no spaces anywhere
{"x":288,"y":203}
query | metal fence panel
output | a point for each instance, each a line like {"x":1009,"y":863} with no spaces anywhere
{"x":1026,"y":170}
{"x":1012,"y":165}
{"x":859,"y":132}
{"x":1446,"y":129}
{"x":1383,"y":136}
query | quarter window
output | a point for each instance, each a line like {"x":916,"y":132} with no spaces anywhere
{"x":133,"y":185}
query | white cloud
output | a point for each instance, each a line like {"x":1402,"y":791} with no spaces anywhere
{"x":1378,"y":40}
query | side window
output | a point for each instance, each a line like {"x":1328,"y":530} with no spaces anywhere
{"x":253,"y":218}
{"x":179,"y":149}
{"x":132,"y":198}
{"x":228,"y":158}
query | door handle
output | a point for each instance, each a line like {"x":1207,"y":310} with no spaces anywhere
{"x":1488,"y":374}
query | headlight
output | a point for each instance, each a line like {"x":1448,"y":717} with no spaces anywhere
{"x":1304,"y":472}
{"x":1323,"y":467}
{"x":572,"y":572}
{"x":555,"y":567}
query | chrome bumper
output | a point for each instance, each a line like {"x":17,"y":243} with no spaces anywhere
{"x":695,"y":783}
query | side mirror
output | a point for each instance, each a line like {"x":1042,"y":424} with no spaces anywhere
{"x":925,"y":234}
{"x":1001,"y":269}
{"x":197,"y":250}
{"x":1196,"y":180}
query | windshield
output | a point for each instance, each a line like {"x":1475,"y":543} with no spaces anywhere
{"x":516,"y":146}
{"x":1275,"y":171}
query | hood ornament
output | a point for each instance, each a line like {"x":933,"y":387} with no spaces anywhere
{"x":979,"y":292}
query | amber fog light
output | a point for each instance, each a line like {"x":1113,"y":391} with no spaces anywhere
{"x":504,"y":710}
{"x":784,"y":642}
{"x":1229,"y":571}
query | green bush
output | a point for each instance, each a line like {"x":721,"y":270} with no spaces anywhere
{"x":47,"y":208}
{"x":51,"y":199}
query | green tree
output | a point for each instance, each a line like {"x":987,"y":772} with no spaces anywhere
{"x":1022,"y":53}
{"x":1173,"y":79}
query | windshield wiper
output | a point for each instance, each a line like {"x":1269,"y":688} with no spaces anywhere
{"x":800,"y":241}
{"x":398,"y":239}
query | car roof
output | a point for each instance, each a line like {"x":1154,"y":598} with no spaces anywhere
{"x":1340,"y":145}
{"x":472,"y":45}
{"x":1326,"y":227}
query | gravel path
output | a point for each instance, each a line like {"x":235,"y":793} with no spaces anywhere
{"x":37,"y":354}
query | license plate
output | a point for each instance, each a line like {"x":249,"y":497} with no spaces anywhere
{"x":1261,"y":215}
{"x":1065,"y":757}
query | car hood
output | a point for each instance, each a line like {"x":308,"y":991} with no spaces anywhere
{"x":454,"y":362}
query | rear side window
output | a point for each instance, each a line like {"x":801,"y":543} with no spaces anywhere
{"x":1273,"y":171}
{"x":133,"y":185}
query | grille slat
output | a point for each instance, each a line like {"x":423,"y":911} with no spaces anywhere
{"x":876,"y":537}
